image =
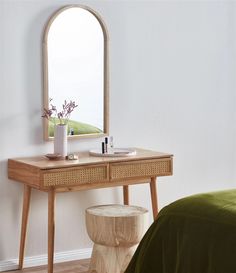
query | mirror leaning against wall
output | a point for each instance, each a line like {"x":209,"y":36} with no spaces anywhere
{"x":75,"y":56}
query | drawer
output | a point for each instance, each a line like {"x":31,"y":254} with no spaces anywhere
{"x":75,"y":176}
{"x":141,"y":168}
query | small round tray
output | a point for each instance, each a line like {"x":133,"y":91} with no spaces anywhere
{"x":53,"y":156}
{"x":115,"y":152}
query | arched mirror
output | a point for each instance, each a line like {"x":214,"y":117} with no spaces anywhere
{"x":75,"y":52}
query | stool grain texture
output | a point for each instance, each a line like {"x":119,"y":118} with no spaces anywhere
{"x":115,"y":230}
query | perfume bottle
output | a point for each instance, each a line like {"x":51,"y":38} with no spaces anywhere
{"x":103,"y":147}
{"x":106,"y":145}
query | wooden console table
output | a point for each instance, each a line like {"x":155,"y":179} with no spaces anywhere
{"x":88,"y":172}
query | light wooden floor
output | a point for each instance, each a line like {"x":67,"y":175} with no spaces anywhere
{"x":67,"y":267}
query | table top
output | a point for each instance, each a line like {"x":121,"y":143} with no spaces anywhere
{"x":116,"y":210}
{"x":84,"y":158}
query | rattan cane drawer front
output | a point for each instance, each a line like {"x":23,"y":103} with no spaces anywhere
{"x":76,"y":176}
{"x":142,"y":168}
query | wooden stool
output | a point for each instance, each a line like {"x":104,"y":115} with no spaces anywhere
{"x":116,"y":231}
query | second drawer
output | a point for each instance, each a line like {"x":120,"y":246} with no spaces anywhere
{"x":141,"y":168}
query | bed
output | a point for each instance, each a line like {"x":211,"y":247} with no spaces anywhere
{"x":196,"y":234}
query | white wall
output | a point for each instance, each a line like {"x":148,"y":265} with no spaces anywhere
{"x":172,"y":90}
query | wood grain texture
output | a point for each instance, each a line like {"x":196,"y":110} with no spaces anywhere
{"x":51,"y":229}
{"x":126,"y":194}
{"x":115,"y":230}
{"x":107,"y":259}
{"x":25,"y":214}
{"x":25,"y":173}
{"x":116,"y":225}
{"x":41,"y":162}
{"x":154,"y":200}
{"x":88,"y":171}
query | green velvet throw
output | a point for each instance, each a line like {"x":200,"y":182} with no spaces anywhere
{"x":196,"y":234}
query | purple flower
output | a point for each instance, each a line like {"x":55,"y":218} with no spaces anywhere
{"x":63,"y":116}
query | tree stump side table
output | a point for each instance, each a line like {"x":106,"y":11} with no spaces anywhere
{"x":116,"y":231}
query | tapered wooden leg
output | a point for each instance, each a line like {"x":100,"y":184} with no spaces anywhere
{"x":153,"y":190}
{"x":51,"y":229}
{"x":25,"y":213}
{"x":126,"y":194}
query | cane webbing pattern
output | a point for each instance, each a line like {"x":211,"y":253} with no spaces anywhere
{"x":139,"y":169}
{"x":75,"y":176}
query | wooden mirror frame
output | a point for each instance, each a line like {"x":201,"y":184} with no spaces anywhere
{"x":105,"y":78}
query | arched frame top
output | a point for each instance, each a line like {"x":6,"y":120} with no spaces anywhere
{"x":46,"y":85}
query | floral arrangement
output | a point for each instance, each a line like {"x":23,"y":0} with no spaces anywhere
{"x":63,"y":116}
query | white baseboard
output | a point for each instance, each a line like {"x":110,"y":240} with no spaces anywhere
{"x":59,"y":257}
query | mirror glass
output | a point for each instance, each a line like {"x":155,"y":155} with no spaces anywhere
{"x":75,"y":69}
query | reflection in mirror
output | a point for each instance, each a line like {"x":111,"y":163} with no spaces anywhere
{"x":75,"y":68}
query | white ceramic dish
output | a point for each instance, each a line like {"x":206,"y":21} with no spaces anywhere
{"x":114,"y":152}
{"x":53,"y":156}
